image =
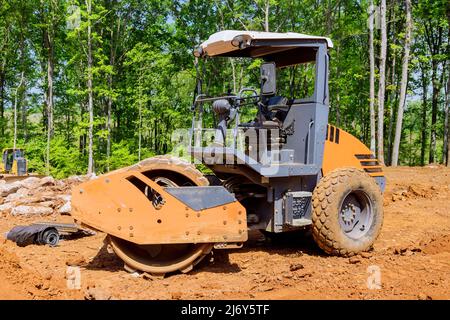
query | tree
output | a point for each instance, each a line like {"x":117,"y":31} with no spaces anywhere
{"x":372,"y":78}
{"x":381,"y":86}
{"x":404,"y":85}
{"x":446,"y":153}
{"x":433,"y":21}
{"x":18,"y":89}
{"x":49,"y":23}
{"x":89,"y":87}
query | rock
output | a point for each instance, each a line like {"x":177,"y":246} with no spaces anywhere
{"x":66,"y":208}
{"x":49,"y":204}
{"x":7,"y":207}
{"x":31,"y":210}
{"x":97,"y":294}
{"x":365,"y":255}
{"x":64,"y":197}
{"x":75,"y":260}
{"x":14,"y":197}
{"x":296,"y":266}
{"x":150,"y":276}
{"x":29,"y":183}
{"x":176,"y":295}
{"x":74,"y":179}
{"x":305,"y":275}
{"x":23,"y":191}
{"x":354,"y":260}
{"x":47,"y":181}
{"x":8,"y":188}
{"x":423,"y":296}
{"x":28,"y":200}
{"x":45,"y":195}
{"x":91,"y":176}
{"x":266,"y":288}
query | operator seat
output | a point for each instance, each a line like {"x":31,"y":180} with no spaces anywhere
{"x":271,"y":114}
{"x":278,"y":107}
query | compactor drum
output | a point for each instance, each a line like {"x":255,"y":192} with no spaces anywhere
{"x":284,"y":171}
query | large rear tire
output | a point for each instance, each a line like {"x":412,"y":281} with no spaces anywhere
{"x":159,"y":259}
{"x":347,"y":213}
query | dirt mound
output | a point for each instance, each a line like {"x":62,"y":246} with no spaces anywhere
{"x":18,"y":282}
{"x":437,"y":245}
{"x":402,"y":192}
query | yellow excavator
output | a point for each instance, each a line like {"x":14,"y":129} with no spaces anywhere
{"x":14,"y":165}
{"x":14,"y":162}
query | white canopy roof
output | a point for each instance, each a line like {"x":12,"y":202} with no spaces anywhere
{"x":222,"y":42}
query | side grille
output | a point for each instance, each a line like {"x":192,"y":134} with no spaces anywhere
{"x":369,"y":163}
{"x":332,"y":134}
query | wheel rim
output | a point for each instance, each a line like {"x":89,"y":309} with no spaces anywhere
{"x":356,"y":214}
{"x":160,"y":258}
{"x":51,"y":238}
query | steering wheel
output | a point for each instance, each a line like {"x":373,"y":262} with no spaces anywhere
{"x":255,"y":96}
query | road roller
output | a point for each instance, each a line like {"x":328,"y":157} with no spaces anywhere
{"x":285,"y":169}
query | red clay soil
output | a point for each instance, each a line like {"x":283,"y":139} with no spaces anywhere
{"x":412,"y":255}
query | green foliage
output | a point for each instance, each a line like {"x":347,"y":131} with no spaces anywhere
{"x":144,"y":74}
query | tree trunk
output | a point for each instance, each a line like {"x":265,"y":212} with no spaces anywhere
{"x":266,"y":16}
{"x":112,"y":61}
{"x":437,"y":86}
{"x":140,"y":116}
{"x":446,"y":125}
{"x":233,"y":70}
{"x":49,"y":103}
{"x":3,"y":51}
{"x":49,"y":95}
{"x":15,"y":110}
{"x":110,"y":101}
{"x":424,"y":116}
{"x":393,"y":95}
{"x":22,"y":67}
{"x":372,"y":79}
{"x":434,"y":105}
{"x":446,"y":153}
{"x":338,"y":95}
{"x":434,"y":44}
{"x":2,"y":99}
{"x":404,"y":85}
{"x":381,"y":87}
{"x":90,"y":90}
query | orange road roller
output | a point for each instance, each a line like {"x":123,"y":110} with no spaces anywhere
{"x":285,"y":170}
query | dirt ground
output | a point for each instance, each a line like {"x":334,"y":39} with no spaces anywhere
{"x":412,"y":256}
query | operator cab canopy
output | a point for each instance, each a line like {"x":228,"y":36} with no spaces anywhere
{"x":284,"y":49}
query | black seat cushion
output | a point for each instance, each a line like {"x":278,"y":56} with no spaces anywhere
{"x":278,"y":102}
